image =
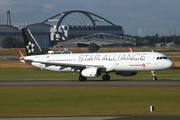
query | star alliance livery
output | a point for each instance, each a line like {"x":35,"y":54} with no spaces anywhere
{"x":93,"y":64}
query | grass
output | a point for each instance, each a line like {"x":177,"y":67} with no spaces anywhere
{"x":37,"y":74}
{"x":88,"y":101}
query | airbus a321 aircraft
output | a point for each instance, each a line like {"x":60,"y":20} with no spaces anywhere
{"x":93,"y":64}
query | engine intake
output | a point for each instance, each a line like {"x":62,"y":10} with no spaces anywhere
{"x":91,"y":72}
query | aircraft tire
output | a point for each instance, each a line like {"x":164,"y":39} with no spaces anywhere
{"x":154,"y":78}
{"x":106,"y":77}
{"x":82,"y":78}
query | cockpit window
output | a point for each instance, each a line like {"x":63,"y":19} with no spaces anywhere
{"x":161,"y":57}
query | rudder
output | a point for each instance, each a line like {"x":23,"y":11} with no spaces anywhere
{"x":31,"y":45}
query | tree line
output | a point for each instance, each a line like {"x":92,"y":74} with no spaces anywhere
{"x":152,"y":40}
{"x":10,"y":42}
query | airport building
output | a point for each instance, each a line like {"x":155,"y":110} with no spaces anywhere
{"x":70,"y":29}
{"x":41,"y":34}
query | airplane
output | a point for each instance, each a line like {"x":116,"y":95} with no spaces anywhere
{"x":93,"y":64}
{"x":153,"y":71}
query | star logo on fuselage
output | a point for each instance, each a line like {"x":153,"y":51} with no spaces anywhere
{"x":30,"y":47}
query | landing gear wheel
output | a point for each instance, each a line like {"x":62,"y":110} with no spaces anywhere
{"x":154,"y":75}
{"x":106,"y":77}
{"x":154,"y":78}
{"x":82,"y":78}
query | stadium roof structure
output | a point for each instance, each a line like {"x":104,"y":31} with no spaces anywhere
{"x":77,"y":26}
{"x":102,"y":39}
{"x":78,"y":17}
{"x":83,"y":18}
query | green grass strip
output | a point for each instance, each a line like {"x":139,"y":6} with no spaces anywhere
{"x":37,"y":74}
{"x":33,"y":101}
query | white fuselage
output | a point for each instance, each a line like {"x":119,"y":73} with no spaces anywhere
{"x":118,"y":61}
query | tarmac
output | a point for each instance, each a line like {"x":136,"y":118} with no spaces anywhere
{"x":89,"y":83}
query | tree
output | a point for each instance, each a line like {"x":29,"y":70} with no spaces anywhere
{"x":93,"y":47}
{"x":152,"y":40}
{"x":145,"y":42}
{"x":10,"y":42}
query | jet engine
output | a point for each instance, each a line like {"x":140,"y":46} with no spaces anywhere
{"x":126,"y":73}
{"x":91,"y":72}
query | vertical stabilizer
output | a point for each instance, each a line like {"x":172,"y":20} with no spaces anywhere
{"x":31,"y":45}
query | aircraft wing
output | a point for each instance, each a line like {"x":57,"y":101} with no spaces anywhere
{"x":71,"y":65}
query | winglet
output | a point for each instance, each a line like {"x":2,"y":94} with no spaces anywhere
{"x":129,"y":49}
{"x":21,"y":55}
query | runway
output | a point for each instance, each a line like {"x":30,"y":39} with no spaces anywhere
{"x":89,"y":83}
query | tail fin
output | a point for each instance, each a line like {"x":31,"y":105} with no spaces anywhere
{"x":31,"y":45}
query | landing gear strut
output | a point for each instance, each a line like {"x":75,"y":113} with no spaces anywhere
{"x":154,"y":75}
{"x":106,"y":77}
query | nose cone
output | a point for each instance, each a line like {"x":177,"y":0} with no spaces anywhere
{"x":169,"y":64}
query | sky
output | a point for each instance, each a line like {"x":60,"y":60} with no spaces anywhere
{"x":137,"y":17}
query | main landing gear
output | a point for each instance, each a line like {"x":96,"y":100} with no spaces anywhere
{"x":154,"y":75}
{"x":106,"y":77}
{"x":82,"y":78}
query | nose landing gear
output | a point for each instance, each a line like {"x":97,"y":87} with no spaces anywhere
{"x":154,"y":75}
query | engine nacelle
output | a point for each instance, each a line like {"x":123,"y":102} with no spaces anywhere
{"x":91,"y":72}
{"x":126,"y":73}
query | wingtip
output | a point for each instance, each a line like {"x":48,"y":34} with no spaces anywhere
{"x":129,"y":49}
{"x":20,"y":54}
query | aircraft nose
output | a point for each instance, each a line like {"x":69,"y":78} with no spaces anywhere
{"x":170,"y":64}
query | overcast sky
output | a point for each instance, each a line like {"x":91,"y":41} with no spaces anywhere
{"x":156,"y":16}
